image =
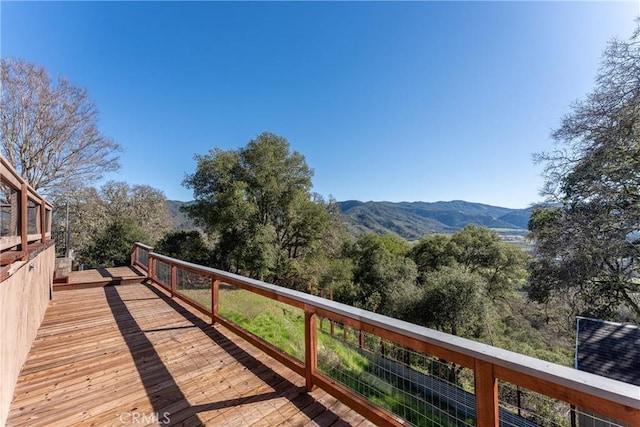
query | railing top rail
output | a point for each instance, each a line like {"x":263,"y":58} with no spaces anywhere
{"x":13,"y":178}
{"x":602,"y":387}
{"x":147,"y":247}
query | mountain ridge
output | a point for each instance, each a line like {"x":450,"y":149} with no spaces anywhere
{"x":411,"y":220}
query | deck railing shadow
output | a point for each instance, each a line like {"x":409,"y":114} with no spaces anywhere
{"x":144,"y":355}
{"x":282,"y":387}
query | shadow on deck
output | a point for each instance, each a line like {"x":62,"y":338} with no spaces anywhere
{"x":130,"y":355}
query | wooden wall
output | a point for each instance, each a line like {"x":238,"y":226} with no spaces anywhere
{"x":24,"y":298}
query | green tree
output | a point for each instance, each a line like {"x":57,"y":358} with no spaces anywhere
{"x":451,"y":301}
{"x":91,"y":210}
{"x":111,"y":248}
{"x":257,"y":202}
{"x":431,"y":253}
{"x":480,"y":250}
{"x":185,"y":245}
{"x":476,"y":250}
{"x":385,"y":278}
{"x":588,"y":243}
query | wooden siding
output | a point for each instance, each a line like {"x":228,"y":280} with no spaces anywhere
{"x":24,"y":297}
{"x":107,"y":355}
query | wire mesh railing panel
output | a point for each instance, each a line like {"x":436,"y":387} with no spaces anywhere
{"x":9,"y":210}
{"x":520,"y":407}
{"x":194,"y":286}
{"x":421,"y":389}
{"x":279,"y":324}
{"x":163,"y":273}
{"x":589,"y":419}
{"x":32,"y":217}
{"x":143,"y":256}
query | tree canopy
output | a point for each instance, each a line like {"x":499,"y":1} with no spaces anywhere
{"x":49,"y":130}
{"x":588,"y":242}
{"x":463,"y":276}
{"x":257,"y":201}
{"x":185,"y":245}
{"x":134,"y":210}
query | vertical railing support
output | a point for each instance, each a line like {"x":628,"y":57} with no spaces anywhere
{"x":174,"y":279}
{"x":486,"y":386}
{"x":310,"y":348}
{"x":24,"y":208}
{"x":134,"y":255}
{"x":215,"y":288}
{"x":151,"y":268}
{"x":43,"y":221}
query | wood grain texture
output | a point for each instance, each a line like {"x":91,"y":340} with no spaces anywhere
{"x":105,"y":355}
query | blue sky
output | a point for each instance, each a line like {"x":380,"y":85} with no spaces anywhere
{"x":396,"y":101}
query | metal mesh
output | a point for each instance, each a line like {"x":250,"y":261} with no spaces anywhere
{"x":520,"y":407}
{"x":8,"y":210}
{"x":163,"y":273}
{"x":278,"y":324}
{"x":589,"y":419}
{"x":421,"y":389}
{"x":194,"y":286}
{"x":32,"y":217}
{"x":143,"y":256}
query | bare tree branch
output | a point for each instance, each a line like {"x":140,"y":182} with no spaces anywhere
{"x":49,"y":130}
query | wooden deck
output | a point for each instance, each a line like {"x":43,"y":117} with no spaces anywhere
{"x":129,"y":355}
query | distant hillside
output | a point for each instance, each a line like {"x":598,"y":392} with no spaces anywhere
{"x":180,"y":219}
{"x":412,"y":220}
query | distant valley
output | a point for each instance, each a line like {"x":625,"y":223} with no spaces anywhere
{"x":412,"y":220}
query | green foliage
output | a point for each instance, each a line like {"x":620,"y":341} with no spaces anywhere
{"x":257,"y":201}
{"x":433,"y":252}
{"x":589,"y":246}
{"x":112,"y":247}
{"x":91,"y":210}
{"x":451,"y":300}
{"x":384,"y":276}
{"x":185,"y":245}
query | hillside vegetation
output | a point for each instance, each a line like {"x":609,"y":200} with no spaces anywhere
{"x":410,"y":220}
{"x":413,"y":220}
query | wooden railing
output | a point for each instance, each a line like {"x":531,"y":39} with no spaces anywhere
{"x":25,"y":218}
{"x":490,"y":365}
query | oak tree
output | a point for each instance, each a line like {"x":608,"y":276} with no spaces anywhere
{"x":49,"y":130}
{"x":257,"y":202}
{"x":588,"y":241}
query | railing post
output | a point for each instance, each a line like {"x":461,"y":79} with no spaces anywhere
{"x":134,"y":255}
{"x":24,"y":208}
{"x":43,"y":221}
{"x":215,"y":287}
{"x":310,"y":348}
{"x":486,"y":388}
{"x":174,"y":279}
{"x":151,"y":270}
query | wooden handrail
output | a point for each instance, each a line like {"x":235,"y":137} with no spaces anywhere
{"x":611,"y":398}
{"x":19,"y":240}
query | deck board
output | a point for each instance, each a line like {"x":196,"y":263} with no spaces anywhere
{"x":84,"y":279}
{"x":106,"y":354}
